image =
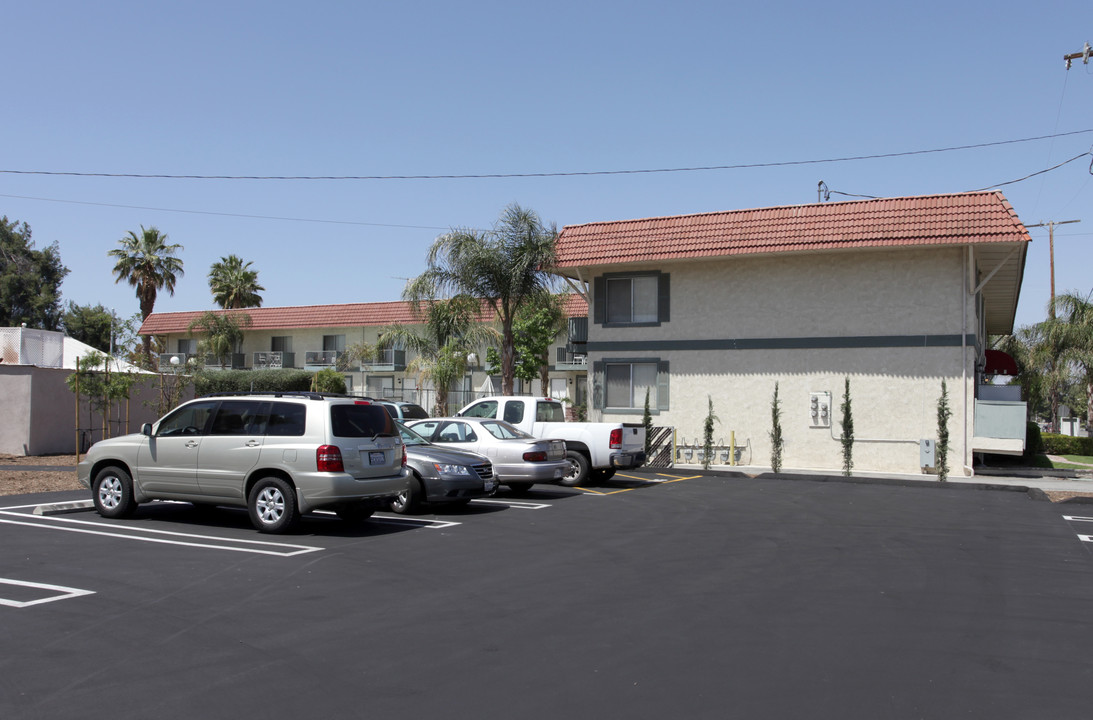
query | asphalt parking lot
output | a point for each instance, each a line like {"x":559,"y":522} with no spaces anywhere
{"x":695,"y":597}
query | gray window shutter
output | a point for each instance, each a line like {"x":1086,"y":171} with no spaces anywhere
{"x":663,"y":299}
{"x":662,"y":385}
{"x":599,"y":301}
{"x":597,"y":385}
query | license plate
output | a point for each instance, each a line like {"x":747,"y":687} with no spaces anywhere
{"x":490,"y":485}
{"x":377,"y":458}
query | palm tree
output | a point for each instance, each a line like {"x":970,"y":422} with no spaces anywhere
{"x":233,"y":284}
{"x":223,"y":333}
{"x":506,"y":266}
{"x":452,"y":330}
{"x":1074,"y":328}
{"x":148,"y":264}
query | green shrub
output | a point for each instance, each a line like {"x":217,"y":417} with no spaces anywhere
{"x":1034,"y":443}
{"x":1066,"y":445}
{"x":242,"y":381}
{"x":328,"y":380}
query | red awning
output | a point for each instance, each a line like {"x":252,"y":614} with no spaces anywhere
{"x":999,"y":363}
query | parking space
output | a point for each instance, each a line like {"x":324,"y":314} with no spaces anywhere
{"x":647,"y":597}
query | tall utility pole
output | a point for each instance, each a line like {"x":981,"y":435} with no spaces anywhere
{"x":1084,"y":55}
{"x":1051,"y":250}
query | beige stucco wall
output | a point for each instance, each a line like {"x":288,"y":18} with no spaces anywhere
{"x":894,"y":391}
{"x":47,"y":425}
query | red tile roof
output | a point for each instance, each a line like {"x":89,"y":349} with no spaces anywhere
{"x":957,"y":219}
{"x":317,"y":316}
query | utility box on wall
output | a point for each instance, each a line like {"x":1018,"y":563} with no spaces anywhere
{"x":819,"y":409}
{"x":926,"y":452}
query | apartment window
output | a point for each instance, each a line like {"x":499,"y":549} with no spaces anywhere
{"x":631,"y":299}
{"x":621,"y":385}
{"x":281,"y":343}
{"x":334,"y":342}
{"x":187,"y":346}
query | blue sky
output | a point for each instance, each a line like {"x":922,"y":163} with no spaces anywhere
{"x":436,"y":88}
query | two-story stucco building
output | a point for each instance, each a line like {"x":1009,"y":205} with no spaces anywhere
{"x":315,"y":337}
{"x":895,"y":294}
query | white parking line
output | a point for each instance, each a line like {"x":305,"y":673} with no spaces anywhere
{"x":515,"y":504}
{"x":1077,"y":518}
{"x":148,"y":535}
{"x":64,"y":593}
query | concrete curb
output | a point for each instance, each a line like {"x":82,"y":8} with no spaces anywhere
{"x":62,"y":508}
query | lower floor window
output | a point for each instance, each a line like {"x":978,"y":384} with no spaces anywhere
{"x":628,"y":383}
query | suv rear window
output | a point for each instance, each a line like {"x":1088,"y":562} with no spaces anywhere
{"x":414,"y":412}
{"x":350,"y":421}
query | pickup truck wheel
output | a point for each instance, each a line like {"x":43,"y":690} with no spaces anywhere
{"x":578,"y":469}
{"x":602,"y":475}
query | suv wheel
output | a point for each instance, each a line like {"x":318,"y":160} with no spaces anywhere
{"x":272,"y":506}
{"x":112,"y":492}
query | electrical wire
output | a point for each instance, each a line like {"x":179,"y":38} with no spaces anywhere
{"x":224,"y":214}
{"x":584,"y":173}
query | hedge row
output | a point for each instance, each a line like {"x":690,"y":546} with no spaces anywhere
{"x":1066,"y":445}
{"x":239,"y":381}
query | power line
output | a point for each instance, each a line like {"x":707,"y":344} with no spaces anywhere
{"x":584,"y":173}
{"x":224,"y":214}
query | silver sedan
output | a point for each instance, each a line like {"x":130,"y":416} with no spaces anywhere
{"x":519,"y":460}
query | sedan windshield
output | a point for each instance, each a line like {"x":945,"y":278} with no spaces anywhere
{"x":503,"y":431}
{"x":409,"y":437}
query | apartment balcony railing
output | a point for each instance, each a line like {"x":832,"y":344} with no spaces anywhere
{"x":390,"y":360}
{"x":273,"y":360}
{"x":318,"y":359}
{"x":567,"y":359}
{"x":237,"y":361}
{"x":1000,"y":427}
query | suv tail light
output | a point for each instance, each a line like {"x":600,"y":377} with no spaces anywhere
{"x":404,"y":455}
{"x":328,"y":458}
{"x":615,"y":441}
{"x":535,"y":456}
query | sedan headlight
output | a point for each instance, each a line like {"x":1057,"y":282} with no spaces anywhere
{"x":453,"y":470}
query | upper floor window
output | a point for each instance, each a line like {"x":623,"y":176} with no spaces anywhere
{"x":631,"y":298}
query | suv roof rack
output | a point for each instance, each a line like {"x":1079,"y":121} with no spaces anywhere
{"x":307,"y":394}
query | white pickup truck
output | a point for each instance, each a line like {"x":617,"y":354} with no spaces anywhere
{"x":594,"y":450}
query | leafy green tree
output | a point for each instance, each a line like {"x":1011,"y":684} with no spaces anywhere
{"x":847,"y":436}
{"x":942,"y":450}
{"x":148,"y":264}
{"x":90,"y":324}
{"x":233,"y":284}
{"x":30,"y":280}
{"x":777,"y":442}
{"x":102,"y":387}
{"x":536,"y":327}
{"x":223,"y":334}
{"x":450,"y":330}
{"x":507,"y":267}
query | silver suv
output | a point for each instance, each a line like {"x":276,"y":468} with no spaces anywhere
{"x":277,"y":454}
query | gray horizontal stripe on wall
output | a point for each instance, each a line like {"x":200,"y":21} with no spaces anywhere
{"x":793,"y":343}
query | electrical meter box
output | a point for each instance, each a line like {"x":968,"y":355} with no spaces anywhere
{"x":926,"y":452}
